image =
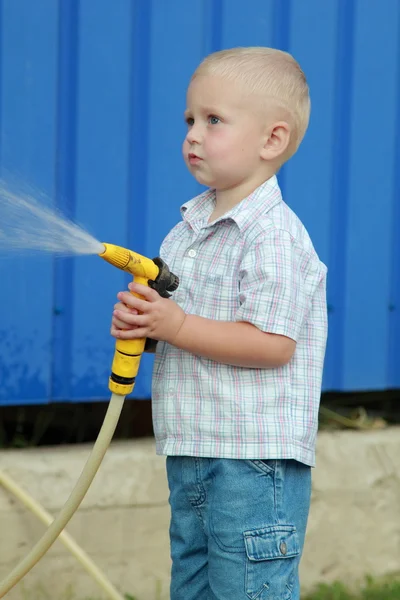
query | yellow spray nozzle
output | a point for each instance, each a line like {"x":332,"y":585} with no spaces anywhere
{"x":129,"y":261}
{"x":115,"y":255}
{"x":146,"y":271}
{"x":153,"y":272}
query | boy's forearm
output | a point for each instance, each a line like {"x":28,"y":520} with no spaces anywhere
{"x":234,"y":343}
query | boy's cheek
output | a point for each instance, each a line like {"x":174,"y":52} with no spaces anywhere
{"x":219,"y":148}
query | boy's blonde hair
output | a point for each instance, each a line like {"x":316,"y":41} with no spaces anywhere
{"x":270,"y":73}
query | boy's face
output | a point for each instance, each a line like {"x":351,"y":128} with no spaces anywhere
{"x":226,"y":133}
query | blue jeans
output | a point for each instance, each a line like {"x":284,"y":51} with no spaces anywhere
{"x":237,"y":527}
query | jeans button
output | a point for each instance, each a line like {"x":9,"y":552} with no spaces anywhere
{"x":283,"y":548}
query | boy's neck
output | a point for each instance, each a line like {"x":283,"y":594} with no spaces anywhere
{"x":228,"y":198}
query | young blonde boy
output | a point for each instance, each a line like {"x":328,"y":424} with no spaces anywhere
{"x":239,"y":359}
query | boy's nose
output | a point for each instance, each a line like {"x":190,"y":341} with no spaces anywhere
{"x":194,"y":135}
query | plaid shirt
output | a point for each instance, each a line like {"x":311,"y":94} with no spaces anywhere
{"x":257,"y":264}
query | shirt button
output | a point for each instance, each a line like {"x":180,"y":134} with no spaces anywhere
{"x":192,"y":253}
{"x":283,"y":548}
{"x":171,"y":391}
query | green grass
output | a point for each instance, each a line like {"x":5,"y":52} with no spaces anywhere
{"x":372,"y":590}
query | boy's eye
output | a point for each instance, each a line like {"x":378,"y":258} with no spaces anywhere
{"x":213,"y":120}
{"x":189,"y":121}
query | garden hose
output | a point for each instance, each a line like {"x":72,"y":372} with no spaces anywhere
{"x":156,"y":274}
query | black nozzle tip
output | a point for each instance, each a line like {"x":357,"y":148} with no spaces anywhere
{"x":174,"y":284}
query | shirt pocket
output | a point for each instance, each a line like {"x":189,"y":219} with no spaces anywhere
{"x":216,"y":294}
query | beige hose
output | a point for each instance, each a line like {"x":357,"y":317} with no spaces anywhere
{"x":89,"y":471}
{"x":64,"y":537}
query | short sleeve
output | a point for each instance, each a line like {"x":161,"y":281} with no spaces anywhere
{"x":273,"y":292}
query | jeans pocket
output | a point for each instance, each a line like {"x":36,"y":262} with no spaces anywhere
{"x":272,"y":561}
{"x":265,"y":465}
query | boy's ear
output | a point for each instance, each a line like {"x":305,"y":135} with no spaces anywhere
{"x":276,"y":141}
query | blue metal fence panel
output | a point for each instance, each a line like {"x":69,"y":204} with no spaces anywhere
{"x":27,"y":144}
{"x":91,"y":103}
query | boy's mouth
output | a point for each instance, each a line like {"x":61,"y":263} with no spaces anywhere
{"x":194,"y":159}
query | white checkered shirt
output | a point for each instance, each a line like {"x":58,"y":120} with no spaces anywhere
{"x":255,"y":264}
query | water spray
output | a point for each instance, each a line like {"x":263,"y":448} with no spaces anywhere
{"x":125,"y":366}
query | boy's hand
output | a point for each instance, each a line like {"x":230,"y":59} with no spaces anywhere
{"x":155,"y":317}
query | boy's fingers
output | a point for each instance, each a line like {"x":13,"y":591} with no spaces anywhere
{"x":145,"y":291}
{"x":124,"y":307}
{"x":130,"y":334}
{"x":130,"y":319}
{"x":133,"y":302}
{"x":118,"y":324}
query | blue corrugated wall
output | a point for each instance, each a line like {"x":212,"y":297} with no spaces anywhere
{"x":91,"y":101}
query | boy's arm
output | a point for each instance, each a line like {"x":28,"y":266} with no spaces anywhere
{"x":272,"y":305}
{"x":276,"y":285}
{"x":238,"y":344}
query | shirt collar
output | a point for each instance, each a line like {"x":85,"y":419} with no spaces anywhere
{"x":196,"y":212}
